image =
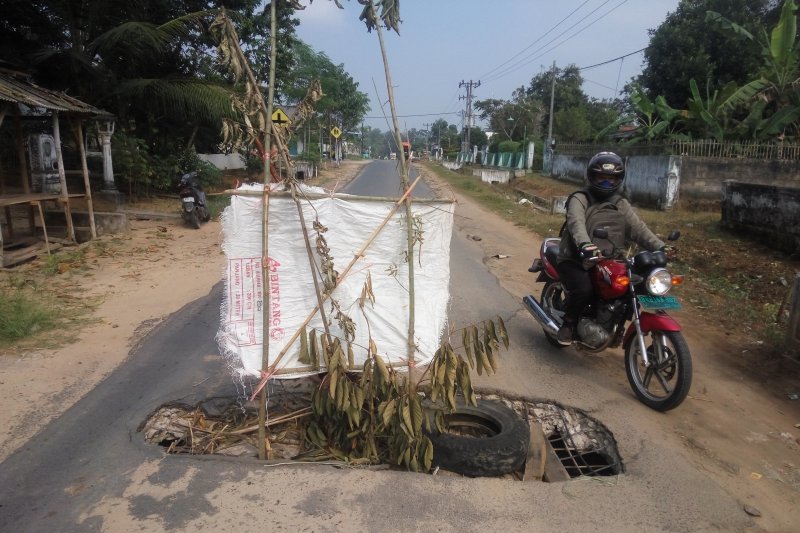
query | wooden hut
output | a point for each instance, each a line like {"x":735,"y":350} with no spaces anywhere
{"x":26,"y":186}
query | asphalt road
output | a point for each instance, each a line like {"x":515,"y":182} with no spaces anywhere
{"x":90,"y":469}
{"x":382,"y":178}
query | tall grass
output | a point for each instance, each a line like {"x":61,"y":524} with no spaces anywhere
{"x":22,"y":316}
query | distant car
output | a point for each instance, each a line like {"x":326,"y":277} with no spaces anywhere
{"x":392,"y":155}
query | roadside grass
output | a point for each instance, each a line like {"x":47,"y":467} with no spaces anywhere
{"x":40,"y":307}
{"x":737,"y":282}
{"x":21,"y":316}
{"x":39,"y":304}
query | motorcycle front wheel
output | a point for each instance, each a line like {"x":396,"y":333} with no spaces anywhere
{"x":665,"y":382}
{"x":552,"y":302}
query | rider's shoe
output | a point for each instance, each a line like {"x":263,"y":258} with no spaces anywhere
{"x":565,"y":334}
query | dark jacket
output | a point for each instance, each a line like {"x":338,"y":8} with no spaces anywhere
{"x":614,"y":213}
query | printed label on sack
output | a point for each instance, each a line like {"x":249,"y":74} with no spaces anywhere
{"x":245,"y":299}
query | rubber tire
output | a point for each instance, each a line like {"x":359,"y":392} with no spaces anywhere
{"x":193,"y":219}
{"x":552,"y":290}
{"x":682,"y":372}
{"x":503,"y":452}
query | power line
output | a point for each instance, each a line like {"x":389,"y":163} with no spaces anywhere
{"x":557,"y":24}
{"x":612,"y":60}
{"x":422,"y":115}
{"x":528,"y":59}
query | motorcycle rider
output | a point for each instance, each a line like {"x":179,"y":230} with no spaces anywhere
{"x":599,"y":205}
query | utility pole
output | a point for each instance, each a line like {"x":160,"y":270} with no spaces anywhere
{"x":465,"y":145}
{"x":552,"y":99}
{"x":428,"y":138}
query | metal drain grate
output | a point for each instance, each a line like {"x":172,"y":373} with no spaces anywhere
{"x":584,"y":446}
{"x":582,"y":462}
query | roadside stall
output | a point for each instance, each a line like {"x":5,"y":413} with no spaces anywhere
{"x":32,"y":168}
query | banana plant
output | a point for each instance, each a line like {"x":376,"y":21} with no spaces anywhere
{"x":779,"y":79}
{"x":652,"y":117}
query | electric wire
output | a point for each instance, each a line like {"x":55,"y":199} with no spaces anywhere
{"x":528,"y":59}
{"x":557,"y":24}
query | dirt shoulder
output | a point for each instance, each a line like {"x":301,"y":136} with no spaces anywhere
{"x":738,"y":424}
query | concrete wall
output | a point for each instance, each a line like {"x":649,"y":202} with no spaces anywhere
{"x":767,"y":212}
{"x":703,"y":176}
{"x":793,"y":329}
{"x":658,"y":181}
{"x":651,"y":180}
{"x":224,"y":161}
{"x":493,"y":176}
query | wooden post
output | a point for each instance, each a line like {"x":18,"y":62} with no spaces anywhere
{"x":77,"y":129}
{"x":62,"y":177}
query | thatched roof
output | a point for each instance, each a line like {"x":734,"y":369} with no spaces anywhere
{"x":16,"y":88}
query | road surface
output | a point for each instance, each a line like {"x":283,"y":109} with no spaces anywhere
{"x":90,"y":469}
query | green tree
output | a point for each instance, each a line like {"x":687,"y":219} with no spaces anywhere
{"x":511,"y":119}
{"x":567,"y":91}
{"x":682,"y":48}
{"x":572,"y":124}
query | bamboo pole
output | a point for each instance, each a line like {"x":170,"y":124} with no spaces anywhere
{"x":404,"y":177}
{"x":262,"y":401}
{"x":312,"y":265}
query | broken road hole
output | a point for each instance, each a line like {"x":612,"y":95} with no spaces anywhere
{"x":565,"y":442}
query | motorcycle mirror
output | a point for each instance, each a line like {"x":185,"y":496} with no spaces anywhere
{"x":601,"y":233}
{"x":674,"y":235}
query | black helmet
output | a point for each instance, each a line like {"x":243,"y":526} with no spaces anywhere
{"x":605,"y":174}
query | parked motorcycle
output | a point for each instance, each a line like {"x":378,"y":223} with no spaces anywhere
{"x":627,"y":290}
{"x":193,"y":200}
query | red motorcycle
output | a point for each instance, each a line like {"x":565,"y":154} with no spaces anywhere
{"x":630,"y":291}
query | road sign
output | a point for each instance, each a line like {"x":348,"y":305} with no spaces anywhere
{"x":336,"y":132}
{"x":279,"y":117}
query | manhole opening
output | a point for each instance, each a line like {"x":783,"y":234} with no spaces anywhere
{"x":572,"y":443}
{"x":581,"y":444}
{"x":581,"y":462}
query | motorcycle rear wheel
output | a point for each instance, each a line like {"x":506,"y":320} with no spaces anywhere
{"x":193,"y":219}
{"x":666,"y":382}
{"x":552,"y":302}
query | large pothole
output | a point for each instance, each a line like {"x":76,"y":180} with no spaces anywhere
{"x":566,"y":442}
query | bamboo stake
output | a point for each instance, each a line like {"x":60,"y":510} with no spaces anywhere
{"x":404,"y":177}
{"x":312,"y":264}
{"x":262,"y":401}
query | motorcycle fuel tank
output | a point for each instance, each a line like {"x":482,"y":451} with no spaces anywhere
{"x":610,"y":279}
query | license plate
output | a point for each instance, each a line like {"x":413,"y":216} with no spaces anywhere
{"x":659,"y":302}
{"x":188,"y":200}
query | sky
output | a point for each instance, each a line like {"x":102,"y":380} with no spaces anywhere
{"x":502,"y":44}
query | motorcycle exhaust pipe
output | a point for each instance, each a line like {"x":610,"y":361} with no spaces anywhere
{"x":539,"y":314}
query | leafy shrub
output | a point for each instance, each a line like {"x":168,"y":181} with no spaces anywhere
{"x":508,"y":147}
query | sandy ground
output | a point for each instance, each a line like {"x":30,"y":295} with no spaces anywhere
{"x":741,"y":432}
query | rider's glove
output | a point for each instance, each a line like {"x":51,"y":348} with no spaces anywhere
{"x":670,"y":251}
{"x":588,"y":250}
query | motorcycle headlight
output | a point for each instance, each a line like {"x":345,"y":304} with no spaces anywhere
{"x":659,"y":282}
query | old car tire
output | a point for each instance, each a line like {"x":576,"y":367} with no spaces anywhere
{"x":500,"y":448}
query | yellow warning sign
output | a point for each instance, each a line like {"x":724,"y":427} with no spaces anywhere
{"x":336,"y":132}
{"x":279,"y":117}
